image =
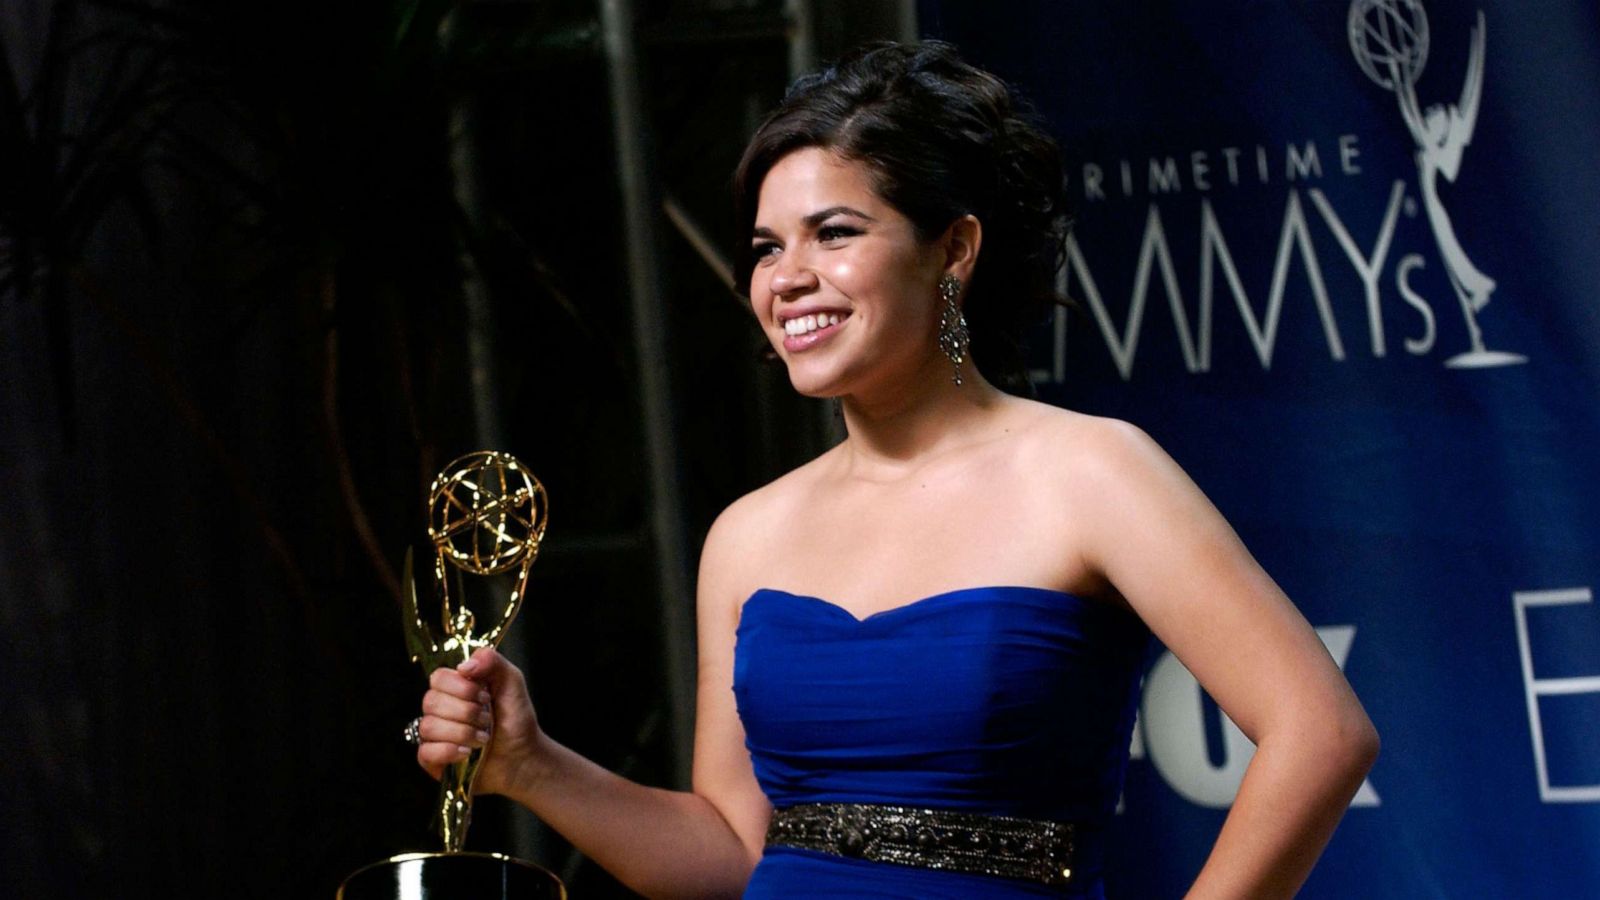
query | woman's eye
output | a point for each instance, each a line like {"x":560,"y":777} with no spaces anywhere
{"x":835,"y":232}
{"x":763,"y":250}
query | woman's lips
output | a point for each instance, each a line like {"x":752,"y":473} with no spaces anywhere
{"x":806,"y":332}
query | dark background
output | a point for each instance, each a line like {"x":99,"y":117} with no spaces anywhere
{"x":266,"y":268}
{"x":239,"y":246}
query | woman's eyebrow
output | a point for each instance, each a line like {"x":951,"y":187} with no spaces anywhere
{"x":815,"y":219}
{"x":820,"y":216}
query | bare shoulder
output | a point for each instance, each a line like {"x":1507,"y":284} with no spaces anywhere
{"x":1085,"y":452}
{"x":1091,"y":478}
{"x":744,"y":532}
{"x":750,"y":520}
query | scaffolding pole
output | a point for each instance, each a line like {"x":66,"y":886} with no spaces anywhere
{"x":641,"y":205}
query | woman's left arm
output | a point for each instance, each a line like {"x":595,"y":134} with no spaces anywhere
{"x":1170,"y":554}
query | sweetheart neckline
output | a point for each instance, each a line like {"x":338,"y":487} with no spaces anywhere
{"x":929,"y":600}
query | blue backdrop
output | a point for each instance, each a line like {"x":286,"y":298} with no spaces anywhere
{"x":1342,"y":259}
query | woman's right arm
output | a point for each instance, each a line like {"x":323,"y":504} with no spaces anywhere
{"x":658,"y":842}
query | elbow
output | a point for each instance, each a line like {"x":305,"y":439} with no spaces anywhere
{"x":1357,"y":743}
{"x":1370,"y":745}
{"x":1340,"y":741}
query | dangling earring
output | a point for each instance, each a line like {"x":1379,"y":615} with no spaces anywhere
{"x":954,"y":338}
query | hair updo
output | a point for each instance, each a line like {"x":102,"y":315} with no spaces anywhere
{"x":942,"y":140}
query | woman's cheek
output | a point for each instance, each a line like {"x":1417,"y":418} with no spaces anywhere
{"x":760,"y":302}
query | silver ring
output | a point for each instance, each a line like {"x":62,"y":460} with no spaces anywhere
{"x":414,"y":731}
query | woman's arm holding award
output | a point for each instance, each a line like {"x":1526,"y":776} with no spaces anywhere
{"x":479,"y":732}
{"x":486,"y":517}
{"x":660,"y":843}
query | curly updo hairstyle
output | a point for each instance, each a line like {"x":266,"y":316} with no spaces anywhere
{"x":942,"y":139}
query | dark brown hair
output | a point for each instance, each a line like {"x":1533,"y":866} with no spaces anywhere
{"x":942,"y":139}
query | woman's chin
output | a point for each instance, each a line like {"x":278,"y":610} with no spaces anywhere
{"x":816,"y":391}
{"x":816,"y":385}
{"x":807,"y":379}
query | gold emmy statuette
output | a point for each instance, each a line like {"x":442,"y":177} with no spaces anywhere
{"x":486,"y":516}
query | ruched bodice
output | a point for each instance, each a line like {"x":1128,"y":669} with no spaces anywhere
{"x":1010,"y":701}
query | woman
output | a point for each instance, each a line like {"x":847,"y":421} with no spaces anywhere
{"x":919,"y":652}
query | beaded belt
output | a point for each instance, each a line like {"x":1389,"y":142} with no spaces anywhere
{"x":930,"y":839}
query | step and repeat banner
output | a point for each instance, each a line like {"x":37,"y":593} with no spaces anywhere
{"x":1342,"y":259}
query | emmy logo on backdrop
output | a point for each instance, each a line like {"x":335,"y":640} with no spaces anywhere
{"x":1390,"y":41}
{"x":486,"y":516}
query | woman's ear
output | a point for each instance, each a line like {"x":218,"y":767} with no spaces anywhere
{"x":962,"y":240}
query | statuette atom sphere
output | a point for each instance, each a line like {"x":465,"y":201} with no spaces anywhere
{"x":486,"y":512}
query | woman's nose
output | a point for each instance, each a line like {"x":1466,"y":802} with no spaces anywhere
{"x":792,"y":274}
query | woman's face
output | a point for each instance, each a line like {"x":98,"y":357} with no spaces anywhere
{"x":842,"y":285}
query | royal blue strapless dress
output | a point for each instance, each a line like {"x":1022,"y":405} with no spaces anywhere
{"x":1010,"y":701}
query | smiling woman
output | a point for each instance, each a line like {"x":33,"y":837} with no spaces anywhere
{"x":940,"y":142}
{"x":843,"y":282}
{"x":920,"y":652}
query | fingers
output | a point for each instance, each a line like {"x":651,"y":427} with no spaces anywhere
{"x":436,"y":756}
{"x":450,"y":728}
{"x":461,"y":707}
{"x":452,"y":682}
{"x":455,"y":711}
{"x":490,"y":671}
{"x":484,"y":665}
{"x":473,"y":732}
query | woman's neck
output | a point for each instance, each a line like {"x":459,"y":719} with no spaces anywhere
{"x":893,"y":434}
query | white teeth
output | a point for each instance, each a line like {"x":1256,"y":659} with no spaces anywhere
{"x":808,"y":324}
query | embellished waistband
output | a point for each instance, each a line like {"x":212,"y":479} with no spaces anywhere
{"x":947,"y":840}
